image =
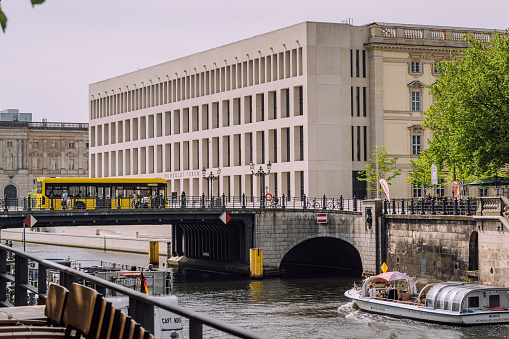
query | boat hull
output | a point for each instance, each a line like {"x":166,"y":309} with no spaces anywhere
{"x":397,"y":309}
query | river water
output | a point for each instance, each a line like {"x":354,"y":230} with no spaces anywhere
{"x":278,"y":307}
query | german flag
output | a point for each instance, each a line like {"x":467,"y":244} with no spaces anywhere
{"x":143,"y":284}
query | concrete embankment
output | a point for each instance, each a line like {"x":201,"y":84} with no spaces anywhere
{"x":113,"y":238}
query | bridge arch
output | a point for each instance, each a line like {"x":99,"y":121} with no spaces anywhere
{"x":319,"y":254}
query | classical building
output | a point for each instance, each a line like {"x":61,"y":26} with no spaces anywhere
{"x":312,"y":99}
{"x":30,"y":150}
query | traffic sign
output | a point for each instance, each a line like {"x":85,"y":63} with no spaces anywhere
{"x":384,"y":267}
{"x":321,"y":218}
{"x":225,"y":217}
{"x":434,"y":174}
{"x":30,"y":221}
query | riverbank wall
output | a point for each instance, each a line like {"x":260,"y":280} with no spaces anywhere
{"x":129,"y":238}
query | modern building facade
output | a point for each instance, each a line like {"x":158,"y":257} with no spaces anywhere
{"x":312,"y":99}
{"x":13,"y":114}
{"x":31,"y":150}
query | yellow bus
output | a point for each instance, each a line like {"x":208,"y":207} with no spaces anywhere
{"x":91,"y":193}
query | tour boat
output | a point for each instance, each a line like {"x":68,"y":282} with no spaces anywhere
{"x":458,"y":303}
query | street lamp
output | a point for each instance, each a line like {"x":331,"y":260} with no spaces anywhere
{"x":210,"y":178}
{"x":261,"y":173}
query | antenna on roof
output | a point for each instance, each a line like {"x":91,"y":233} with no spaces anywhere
{"x":348,"y":21}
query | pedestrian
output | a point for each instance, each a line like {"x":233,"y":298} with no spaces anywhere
{"x":133,"y":202}
{"x":64,"y":200}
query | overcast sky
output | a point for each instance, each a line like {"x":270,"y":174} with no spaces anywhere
{"x":49,"y":54}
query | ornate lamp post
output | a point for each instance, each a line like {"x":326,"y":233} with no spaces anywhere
{"x":261,"y":173}
{"x":210,"y":178}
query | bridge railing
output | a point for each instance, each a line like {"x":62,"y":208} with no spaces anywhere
{"x":431,"y":206}
{"x":183,"y":201}
{"x":141,"y":306}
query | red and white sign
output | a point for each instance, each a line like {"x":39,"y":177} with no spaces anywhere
{"x":225,"y":217}
{"x":321,"y":218}
{"x":385,"y":186}
{"x":30,"y":221}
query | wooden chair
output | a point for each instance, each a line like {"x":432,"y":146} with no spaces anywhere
{"x":82,"y":317}
{"x":49,"y":314}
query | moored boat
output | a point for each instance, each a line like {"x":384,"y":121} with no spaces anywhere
{"x":459,"y":303}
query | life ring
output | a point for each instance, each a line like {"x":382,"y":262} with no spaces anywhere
{"x":268,"y":197}
{"x":497,"y":309}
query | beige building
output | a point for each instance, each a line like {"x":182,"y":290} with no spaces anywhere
{"x":31,"y":150}
{"x":312,"y":99}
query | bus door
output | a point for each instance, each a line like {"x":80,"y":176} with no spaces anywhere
{"x":104,"y":196}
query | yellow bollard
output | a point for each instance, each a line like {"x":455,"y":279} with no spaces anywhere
{"x":153,"y":253}
{"x":256,"y":258}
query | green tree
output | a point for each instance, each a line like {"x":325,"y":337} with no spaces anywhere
{"x":420,"y":174}
{"x":386,"y":168}
{"x":470,"y":117}
{"x":3,"y":18}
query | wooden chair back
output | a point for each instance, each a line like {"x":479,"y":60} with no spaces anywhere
{"x":55,"y":304}
{"x":80,"y":306}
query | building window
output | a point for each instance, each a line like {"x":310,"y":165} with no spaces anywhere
{"x":53,"y":164}
{"x":35,"y":163}
{"x":416,"y":101}
{"x":53,"y":144}
{"x":9,"y":143}
{"x":483,"y":191}
{"x":71,"y":164}
{"x":87,"y":144}
{"x":71,"y":144}
{"x":416,"y":144}
{"x":416,"y":191}
{"x":35,"y":144}
{"x":435,"y":68}
{"x":441,"y":189}
{"x":9,"y":161}
{"x":415,"y":67}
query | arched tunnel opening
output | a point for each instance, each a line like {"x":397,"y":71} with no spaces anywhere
{"x":322,"y":257}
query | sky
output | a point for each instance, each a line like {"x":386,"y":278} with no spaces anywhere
{"x":50,"y":53}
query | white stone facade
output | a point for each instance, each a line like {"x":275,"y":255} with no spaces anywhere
{"x":312,"y":99}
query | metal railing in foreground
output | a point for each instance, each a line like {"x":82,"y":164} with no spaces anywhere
{"x":141,"y":306}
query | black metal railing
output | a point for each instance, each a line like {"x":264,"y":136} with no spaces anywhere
{"x":183,"y":201}
{"x":140,"y":304}
{"x":431,"y":206}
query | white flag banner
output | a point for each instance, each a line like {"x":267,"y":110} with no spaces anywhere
{"x":385,"y":186}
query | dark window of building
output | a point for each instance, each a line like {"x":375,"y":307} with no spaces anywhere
{"x":364,"y":101}
{"x":363,"y":63}
{"x":359,"y":187}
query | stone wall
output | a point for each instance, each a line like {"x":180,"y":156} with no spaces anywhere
{"x":429,"y":247}
{"x":277,"y":232}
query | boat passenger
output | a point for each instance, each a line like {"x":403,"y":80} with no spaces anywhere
{"x":372,"y":291}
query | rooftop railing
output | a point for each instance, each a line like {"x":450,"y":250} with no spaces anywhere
{"x":141,"y":306}
{"x":383,"y":32}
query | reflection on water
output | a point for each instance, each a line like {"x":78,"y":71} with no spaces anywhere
{"x":280,"y":308}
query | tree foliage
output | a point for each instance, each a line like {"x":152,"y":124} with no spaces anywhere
{"x":3,"y":18}
{"x":386,"y":168}
{"x":470,"y":117}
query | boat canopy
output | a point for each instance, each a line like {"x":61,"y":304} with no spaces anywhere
{"x":466,"y":297}
{"x":388,"y":276}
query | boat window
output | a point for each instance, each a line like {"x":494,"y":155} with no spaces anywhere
{"x":473,"y":302}
{"x":446,"y":305}
{"x":429,"y":302}
{"x":455,"y":307}
{"x":494,"y":301}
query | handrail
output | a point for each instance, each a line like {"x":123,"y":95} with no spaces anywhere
{"x":182,"y":201}
{"x":141,"y":305}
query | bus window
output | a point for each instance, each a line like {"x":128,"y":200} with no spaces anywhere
{"x":39,"y":187}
